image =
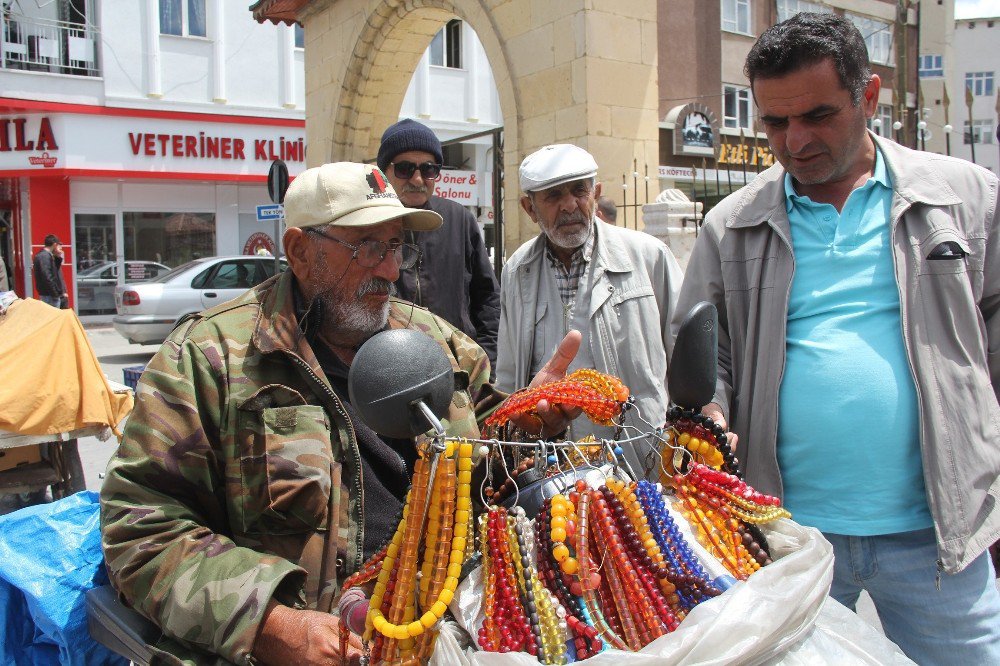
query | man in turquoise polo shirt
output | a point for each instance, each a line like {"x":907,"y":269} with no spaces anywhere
{"x":859,"y":299}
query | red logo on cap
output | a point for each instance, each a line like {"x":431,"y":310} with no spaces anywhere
{"x":376,"y":179}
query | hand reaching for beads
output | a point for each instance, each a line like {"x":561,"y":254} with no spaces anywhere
{"x":552,"y":419}
{"x":714,"y":412}
{"x":291,"y":636}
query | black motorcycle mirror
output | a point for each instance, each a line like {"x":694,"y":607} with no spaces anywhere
{"x":401,"y":384}
{"x":693,"y":363}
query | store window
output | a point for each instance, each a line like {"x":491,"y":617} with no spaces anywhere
{"x":931,"y":66}
{"x":878,"y":38}
{"x":980,"y":82}
{"x":300,"y":37}
{"x":185,"y":18}
{"x":789,"y":8}
{"x":736,"y":16}
{"x":168,"y":238}
{"x":446,"y":47}
{"x":736,"y":106}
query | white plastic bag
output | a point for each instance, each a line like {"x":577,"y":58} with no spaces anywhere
{"x":754,"y":622}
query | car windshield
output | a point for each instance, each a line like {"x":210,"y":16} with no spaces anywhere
{"x":166,"y":277}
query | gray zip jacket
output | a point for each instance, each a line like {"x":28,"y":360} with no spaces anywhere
{"x":632,"y":300}
{"x":941,"y":207}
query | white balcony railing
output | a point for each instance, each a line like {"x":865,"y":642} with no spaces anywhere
{"x":46,"y":45}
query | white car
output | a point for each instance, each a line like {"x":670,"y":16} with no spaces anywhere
{"x":148,"y":311}
{"x":95,"y":286}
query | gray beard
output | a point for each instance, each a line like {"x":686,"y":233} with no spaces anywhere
{"x":350,"y":321}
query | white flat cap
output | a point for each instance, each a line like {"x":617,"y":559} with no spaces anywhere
{"x":554,"y":165}
{"x":346,"y":194}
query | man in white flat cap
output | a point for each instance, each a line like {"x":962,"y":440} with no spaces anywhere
{"x":618,"y":287}
{"x":246,"y":488}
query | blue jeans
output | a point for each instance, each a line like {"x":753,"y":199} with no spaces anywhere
{"x":50,"y":300}
{"x":958,"y":624}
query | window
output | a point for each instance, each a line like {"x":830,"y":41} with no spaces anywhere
{"x":881,"y":123}
{"x":735,"y":106}
{"x":736,"y":16}
{"x":182,"y":17}
{"x":300,"y":37}
{"x":168,"y":238}
{"x":789,"y":8}
{"x":980,"y":82}
{"x":878,"y":38}
{"x":982,"y":131}
{"x":446,"y":47}
{"x":931,"y":66}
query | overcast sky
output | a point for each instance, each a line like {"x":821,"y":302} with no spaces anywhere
{"x":976,"y":8}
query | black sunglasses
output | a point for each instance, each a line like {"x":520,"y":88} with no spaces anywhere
{"x":405,"y":170}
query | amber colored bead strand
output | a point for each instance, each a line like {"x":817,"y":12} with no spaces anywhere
{"x":659,"y":618}
{"x":621,"y":573}
{"x":587,"y":568}
{"x":708,"y":537}
{"x":654,"y":559}
{"x":402,"y":598}
{"x":489,"y":636}
{"x":441,"y":548}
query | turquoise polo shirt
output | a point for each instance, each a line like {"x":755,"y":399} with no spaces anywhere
{"x":848,"y":420}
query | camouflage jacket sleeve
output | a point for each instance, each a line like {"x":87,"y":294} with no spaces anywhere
{"x":164,"y":521}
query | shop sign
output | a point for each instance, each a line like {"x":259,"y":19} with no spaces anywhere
{"x":676,"y":172}
{"x":147,"y":145}
{"x":469,"y":188}
{"x":746,"y":154}
{"x":259,"y":243}
{"x":696,"y":129}
{"x":24,"y":134}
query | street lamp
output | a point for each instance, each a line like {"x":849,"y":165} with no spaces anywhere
{"x":922,"y":133}
{"x":877,"y":125}
{"x":896,"y":126}
{"x":947,"y":139}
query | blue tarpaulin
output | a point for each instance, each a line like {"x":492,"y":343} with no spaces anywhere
{"x":50,"y":555}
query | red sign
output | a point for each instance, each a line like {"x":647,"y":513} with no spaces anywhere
{"x":259,"y":241}
{"x":14,"y":135}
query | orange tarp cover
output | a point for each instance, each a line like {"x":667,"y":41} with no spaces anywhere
{"x":50,"y":380}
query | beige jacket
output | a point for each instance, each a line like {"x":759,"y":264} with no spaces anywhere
{"x":743,"y":263}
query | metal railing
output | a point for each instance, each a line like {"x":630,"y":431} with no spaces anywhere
{"x":47,"y":45}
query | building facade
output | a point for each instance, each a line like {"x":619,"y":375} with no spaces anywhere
{"x":710,"y":143}
{"x":974,"y":79}
{"x":141,"y":133}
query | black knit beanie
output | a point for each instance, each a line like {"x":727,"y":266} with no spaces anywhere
{"x":407,"y":135}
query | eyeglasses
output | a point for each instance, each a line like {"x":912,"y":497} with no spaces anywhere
{"x":405,"y":170}
{"x":371,"y":253}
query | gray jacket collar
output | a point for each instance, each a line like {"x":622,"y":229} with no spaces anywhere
{"x":913,"y":181}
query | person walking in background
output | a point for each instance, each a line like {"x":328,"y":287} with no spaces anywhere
{"x":617,"y":286}
{"x":454,"y":278}
{"x":859,"y":318}
{"x":47,"y":271}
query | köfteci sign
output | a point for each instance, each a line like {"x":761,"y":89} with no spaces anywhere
{"x":148,"y":145}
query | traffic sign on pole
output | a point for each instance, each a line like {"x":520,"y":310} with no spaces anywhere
{"x":277,"y":181}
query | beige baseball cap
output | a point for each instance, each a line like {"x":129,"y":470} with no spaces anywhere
{"x":347,"y":194}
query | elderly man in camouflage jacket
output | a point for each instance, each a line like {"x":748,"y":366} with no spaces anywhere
{"x":246,"y":489}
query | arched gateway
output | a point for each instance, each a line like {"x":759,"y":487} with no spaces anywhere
{"x":576,"y":71}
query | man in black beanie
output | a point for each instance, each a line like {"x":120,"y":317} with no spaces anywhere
{"x":454,"y":278}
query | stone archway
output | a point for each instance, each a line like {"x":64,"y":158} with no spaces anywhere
{"x":573,"y":71}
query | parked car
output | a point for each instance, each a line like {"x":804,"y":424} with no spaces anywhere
{"x":95,"y":286}
{"x":148,"y":311}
